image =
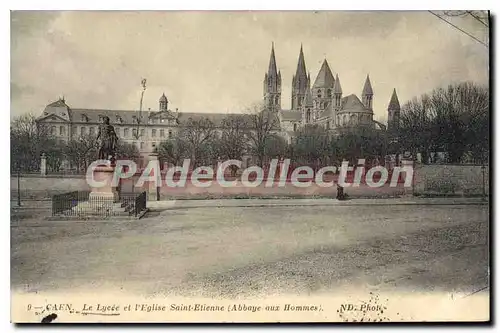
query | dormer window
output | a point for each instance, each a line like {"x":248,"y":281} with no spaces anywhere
{"x":85,"y":118}
{"x":119,"y":119}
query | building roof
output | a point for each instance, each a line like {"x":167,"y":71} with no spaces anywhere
{"x":163,"y":98}
{"x":129,"y":117}
{"x":325,"y":77}
{"x":352,"y":103}
{"x":290,"y":115}
{"x":327,"y":112}
{"x":367,"y":89}
{"x":394,"y":103}
{"x":59,"y":103}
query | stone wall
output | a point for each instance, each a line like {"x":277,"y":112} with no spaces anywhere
{"x":33,"y":186}
{"x":463,"y":180}
{"x":444,"y":179}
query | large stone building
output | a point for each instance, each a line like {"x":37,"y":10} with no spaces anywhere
{"x":144,"y":129}
{"x":323,"y":103}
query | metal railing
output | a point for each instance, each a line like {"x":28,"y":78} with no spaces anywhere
{"x":140,"y":203}
{"x":79,"y":204}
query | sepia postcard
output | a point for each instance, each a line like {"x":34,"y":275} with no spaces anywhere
{"x":250,"y":166}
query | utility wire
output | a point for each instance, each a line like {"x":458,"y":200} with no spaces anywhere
{"x":463,"y":31}
{"x":477,"y":18}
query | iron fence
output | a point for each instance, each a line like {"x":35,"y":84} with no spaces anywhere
{"x":79,"y":204}
{"x":140,"y":203}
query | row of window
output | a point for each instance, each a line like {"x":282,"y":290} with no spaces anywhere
{"x":319,"y":94}
{"x":345,"y":119}
{"x":119,"y":120}
{"x":62,"y":130}
{"x":126,"y":132}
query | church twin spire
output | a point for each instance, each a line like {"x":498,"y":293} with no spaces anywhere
{"x":325,"y":91}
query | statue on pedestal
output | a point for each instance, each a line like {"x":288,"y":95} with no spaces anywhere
{"x":108,"y":140}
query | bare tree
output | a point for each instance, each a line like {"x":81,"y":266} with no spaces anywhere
{"x":127,"y":150}
{"x":198,"y":134}
{"x":263,"y":125}
{"x":173,"y":151}
{"x":454,"y":120}
{"x":417,"y":132}
{"x":233,"y":142}
{"x":29,"y":140}
{"x":82,"y":151}
{"x":311,"y":145}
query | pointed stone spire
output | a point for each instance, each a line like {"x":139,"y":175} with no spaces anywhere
{"x":394,"y":103}
{"x":367,"y":89}
{"x":337,"y":88}
{"x":272,"y":71}
{"x":301,"y":65}
{"x":325,"y":77}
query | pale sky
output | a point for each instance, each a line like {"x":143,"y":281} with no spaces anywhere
{"x":216,"y":61}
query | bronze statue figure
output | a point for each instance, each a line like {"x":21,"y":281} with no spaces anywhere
{"x":109,"y":140}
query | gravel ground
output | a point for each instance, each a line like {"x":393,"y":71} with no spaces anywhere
{"x":250,"y":252}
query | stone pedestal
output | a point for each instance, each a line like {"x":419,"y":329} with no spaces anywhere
{"x":106,"y":193}
{"x":43,"y":165}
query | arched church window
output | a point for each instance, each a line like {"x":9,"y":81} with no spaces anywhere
{"x":308,"y":116}
{"x":329,"y":92}
{"x":276,"y":100}
{"x":295,"y":127}
{"x":319,"y":93}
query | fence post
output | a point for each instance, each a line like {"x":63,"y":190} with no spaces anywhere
{"x":43,"y":165}
{"x":18,"y":187}
{"x":153,"y":188}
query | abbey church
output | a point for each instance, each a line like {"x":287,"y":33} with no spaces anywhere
{"x":323,"y":103}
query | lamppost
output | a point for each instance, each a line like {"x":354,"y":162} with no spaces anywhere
{"x":139,"y":118}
